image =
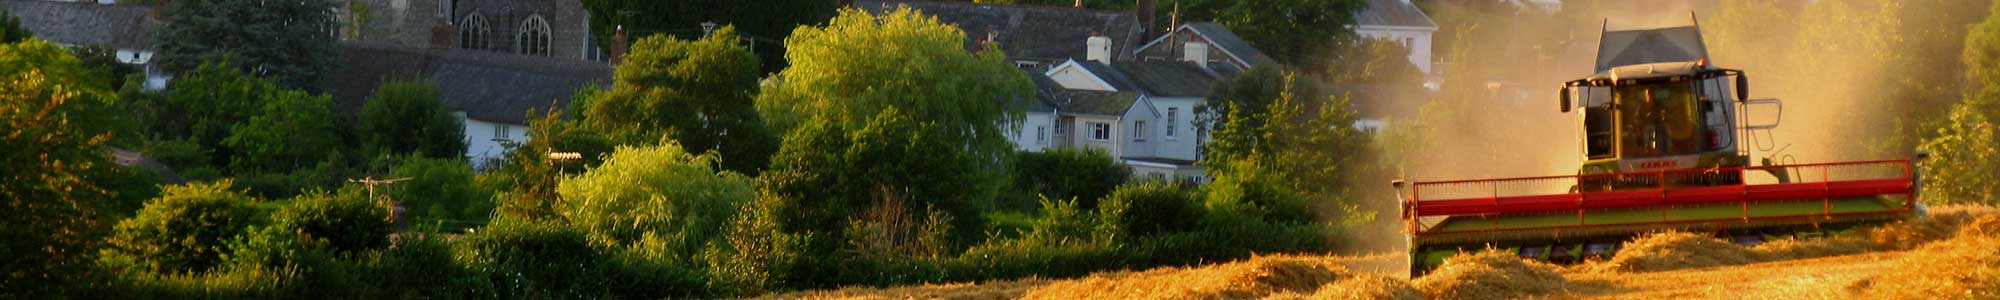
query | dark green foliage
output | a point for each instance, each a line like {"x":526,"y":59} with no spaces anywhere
{"x":10,"y":29}
{"x":764,"y":23}
{"x":290,"y":42}
{"x":1151,"y":208}
{"x":421,"y":266}
{"x":537,"y":260}
{"x":1253,"y":91}
{"x":1300,"y":33}
{"x":695,"y":92}
{"x":184,"y":230}
{"x":48,"y":166}
{"x":405,"y":116}
{"x":292,"y":130}
{"x":1085,"y":174}
{"x":530,"y":178}
{"x":440,"y":190}
{"x":346,"y":222}
{"x":206,"y":102}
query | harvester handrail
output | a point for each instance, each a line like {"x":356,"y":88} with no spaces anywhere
{"x":1484,"y":196}
{"x":1629,"y":174}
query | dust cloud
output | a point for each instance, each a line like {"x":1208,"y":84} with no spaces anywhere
{"x":1856,"y":77}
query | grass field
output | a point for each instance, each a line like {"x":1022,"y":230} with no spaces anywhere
{"x":1954,"y":254}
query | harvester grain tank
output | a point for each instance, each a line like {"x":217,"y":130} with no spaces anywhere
{"x":1663,"y":139}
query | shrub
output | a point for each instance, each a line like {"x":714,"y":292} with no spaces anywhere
{"x":406,"y":117}
{"x":536,"y":260}
{"x":1085,"y":174}
{"x":184,"y":230}
{"x":421,"y":266}
{"x":441,"y":189}
{"x":1150,"y":208}
{"x":346,"y":222}
{"x":658,"y":191}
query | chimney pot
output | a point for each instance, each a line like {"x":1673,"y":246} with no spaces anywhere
{"x":618,"y":45}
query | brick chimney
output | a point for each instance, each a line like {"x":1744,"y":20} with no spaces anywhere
{"x":618,"y":45}
{"x":444,"y":36}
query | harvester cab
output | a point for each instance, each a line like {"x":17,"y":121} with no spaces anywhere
{"x":1662,"y":136}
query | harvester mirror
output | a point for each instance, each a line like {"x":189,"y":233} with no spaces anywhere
{"x":1742,"y":87}
{"x":1565,"y":99}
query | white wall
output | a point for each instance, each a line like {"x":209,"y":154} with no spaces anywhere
{"x":1075,"y":77}
{"x":482,"y":144}
{"x":1079,"y":128}
{"x":1418,"y":39}
{"x":1034,"y":133}
{"x":1135,"y":141}
{"x":1184,"y":144}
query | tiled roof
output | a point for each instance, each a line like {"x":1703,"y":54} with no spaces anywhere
{"x":1029,"y":32}
{"x":1169,"y":79}
{"x":1227,"y":40}
{"x":1098,"y":103}
{"x":487,"y":86}
{"x":1110,"y":75}
{"x":1393,"y":13}
{"x":84,"y":23}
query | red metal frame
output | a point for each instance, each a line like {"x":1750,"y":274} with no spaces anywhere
{"x":1663,"y":196}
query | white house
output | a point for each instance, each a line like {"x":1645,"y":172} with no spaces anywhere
{"x":491,"y":92}
{"x":1402,"y":22}
{"x":124,"y":29}
{"x":1140,"y":112}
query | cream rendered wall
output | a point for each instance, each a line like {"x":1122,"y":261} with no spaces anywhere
{"x":1080,"y":131}
{"x":482,"y":144}
{"x":1137,"y":142}
{"x":1417,"y":39}
{"x":1024,"y":135}
{"x":1185,"y":144}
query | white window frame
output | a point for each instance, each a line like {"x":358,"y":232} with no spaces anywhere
{"x":1041,"y":135}
{"x":1099,"y":131}
{"x":1173,"y":113}
{"x":1139,"y":130}
{"x":502,"y":133}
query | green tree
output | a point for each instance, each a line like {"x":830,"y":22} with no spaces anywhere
{"x":405,"y":116}
{"x":1301,"y":33}
{"x":1289,"y":151}
{"x":830,"y":176}
{"x":536,"y":260}
{"x":763,"y":23}
{"x":292,"y":130}
{"x":204,"y":104}
{"x":10,"y":29}
{"x":657,"y":192}
{"x":291,"y":42}
{"x":1067,"y":173}
{"x":184,"y":230}
{"x":530,"y":178}
{"x":440,"y":188}
{"x":860,"y":65}
{"x":1253,"y":91}
{"x":347,"y":223}
{"x":1965,"y":153}
{"x":697,"y":92}
{"x":46,"y":170}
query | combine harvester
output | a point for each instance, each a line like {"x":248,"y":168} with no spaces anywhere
{"x":1661,"y":151}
